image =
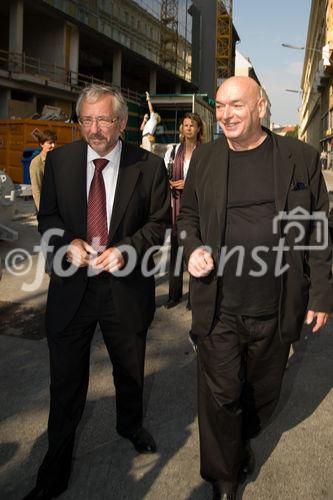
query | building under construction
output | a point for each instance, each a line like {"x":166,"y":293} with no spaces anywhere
{"x":51,"y":48}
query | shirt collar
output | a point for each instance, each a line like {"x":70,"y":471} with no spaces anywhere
{"x":113,"y":156}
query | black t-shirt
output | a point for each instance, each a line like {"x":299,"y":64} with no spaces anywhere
{"x":249,"y":226}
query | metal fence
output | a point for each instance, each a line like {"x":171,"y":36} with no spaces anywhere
{"x":33,"y":66}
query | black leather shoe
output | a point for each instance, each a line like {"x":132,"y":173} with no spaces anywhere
{"x":249,"y":462}
{"x":193,"y":339}
{"x":142,"y":441}
{"x":171,"y":303}
{"x":220,"y":493}
{"x":40,"y":493}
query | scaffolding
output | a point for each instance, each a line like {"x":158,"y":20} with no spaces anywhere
{"x":169,"y":34}
{"x":224,"y":31}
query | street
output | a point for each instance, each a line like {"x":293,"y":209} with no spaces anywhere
{"x":294,"y":454}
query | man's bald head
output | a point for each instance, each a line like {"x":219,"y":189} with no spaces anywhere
{"x":239,"y":109}
{"x":244,"y":84}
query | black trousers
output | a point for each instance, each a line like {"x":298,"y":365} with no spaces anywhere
{"x":69,"y":370}
{"x":175,"y":281}
{"x":240,"y":370}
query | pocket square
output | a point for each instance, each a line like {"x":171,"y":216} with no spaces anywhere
{"x":298,"y":186}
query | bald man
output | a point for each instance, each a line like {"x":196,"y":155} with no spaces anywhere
{"x":254,"y":278}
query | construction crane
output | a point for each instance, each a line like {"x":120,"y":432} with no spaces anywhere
{"x":224,"y":31}
{"x":169,"y":34}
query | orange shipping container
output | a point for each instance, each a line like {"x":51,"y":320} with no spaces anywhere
{"x":16,"y":135}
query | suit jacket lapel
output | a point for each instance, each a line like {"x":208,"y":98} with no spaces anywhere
{"x":76,"y":179}
{"x":127,"y":178}
{"x":283,"y":164}
{"x":220,"y":183}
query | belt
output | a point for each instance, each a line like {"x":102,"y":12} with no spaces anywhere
{"x":104,"y":275}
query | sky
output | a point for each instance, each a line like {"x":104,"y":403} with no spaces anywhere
{"x":262,"y":25}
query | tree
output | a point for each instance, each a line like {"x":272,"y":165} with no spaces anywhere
{"x":293,"y":133}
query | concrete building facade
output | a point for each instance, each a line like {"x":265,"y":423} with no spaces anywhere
{"x":49,"y":49}
{"x":316,"y":112}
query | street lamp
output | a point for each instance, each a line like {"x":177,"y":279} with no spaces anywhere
{"x":298,"y":47}
{"x":325,"y":51}
{"x":301,"y":92}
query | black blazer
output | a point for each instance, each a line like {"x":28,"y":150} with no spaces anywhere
{"x":141,"y":212}
{"x":298,"y":183}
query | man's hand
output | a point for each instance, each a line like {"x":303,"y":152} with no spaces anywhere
{"x":110,"y":260}
{"x":200,"y":263}
{"x":177,"y":184}
{"x":321,"y":319}
{"x":79,"y":253}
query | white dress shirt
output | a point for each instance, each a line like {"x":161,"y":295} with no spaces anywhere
{"x":150,"y":125}
{"x":110,"y":175}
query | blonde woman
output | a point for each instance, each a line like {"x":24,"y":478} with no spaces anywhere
{"x":148,"y":126}
{"x":177,"y":160}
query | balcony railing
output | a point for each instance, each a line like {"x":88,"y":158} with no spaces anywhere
{"x":36,"y":67}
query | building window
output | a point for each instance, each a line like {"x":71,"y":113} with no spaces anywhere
{"x":330,"y":121}
{"x":107,"y":6}
{"x":324,"y":124}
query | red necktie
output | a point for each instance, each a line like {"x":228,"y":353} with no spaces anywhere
{"x":97,"y":223}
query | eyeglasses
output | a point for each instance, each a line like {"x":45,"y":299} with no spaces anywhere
{"x":102,"y":121}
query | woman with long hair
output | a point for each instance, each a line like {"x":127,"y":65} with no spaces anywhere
{"x":177,"y":160}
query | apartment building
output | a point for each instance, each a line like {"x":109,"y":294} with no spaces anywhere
{"x":316,"y":112}
{"x":49,"y":49}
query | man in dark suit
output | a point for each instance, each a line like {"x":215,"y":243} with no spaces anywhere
{"x":248,"y":224}
{"x":108,"y":202}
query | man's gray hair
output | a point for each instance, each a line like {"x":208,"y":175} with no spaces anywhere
{"x":94,"y":91}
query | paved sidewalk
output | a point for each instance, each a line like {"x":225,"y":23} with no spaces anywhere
{"x":294,"y":455}
{"x":328,"y":175}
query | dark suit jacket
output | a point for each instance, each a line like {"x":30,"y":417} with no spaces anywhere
{"x":298,"y":183}
{"x":141,"y":212}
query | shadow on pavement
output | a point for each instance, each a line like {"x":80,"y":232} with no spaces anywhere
{"x":308,"y":380}
{"x":105,"y":465}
